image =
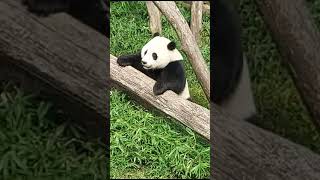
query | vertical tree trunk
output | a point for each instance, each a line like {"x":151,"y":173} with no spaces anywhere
{"x":155,"y":17}
{"x":196,"y":19}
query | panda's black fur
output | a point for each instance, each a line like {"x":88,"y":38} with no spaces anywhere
{"x":227,"y":54}
{"x":171,"y":77}
{"x":94,"y":13}
{"x":230,"y":80}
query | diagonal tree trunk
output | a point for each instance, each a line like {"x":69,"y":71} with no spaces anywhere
{"x":189,"y":44}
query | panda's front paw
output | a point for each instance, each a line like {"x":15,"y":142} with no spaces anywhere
{"x":158,"y":89}
{"x":123,"y":61}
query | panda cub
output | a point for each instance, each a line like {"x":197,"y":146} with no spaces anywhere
{"x":231,"y":86}
{"x":160,"y":60}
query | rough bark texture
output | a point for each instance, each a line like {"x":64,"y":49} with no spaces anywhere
{"x":241,"y":150}
{"x":189,"y":45}
{"x":155,"y":17}
{"x":58,"y":57}
{"x":196,"y":19}
{"x":140,"y":87}
{"x":299,"y":43}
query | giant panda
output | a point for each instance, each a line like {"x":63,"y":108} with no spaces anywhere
{"x":94,"y":13}
{"x":230,"y":81}
{"x":160,"y":60}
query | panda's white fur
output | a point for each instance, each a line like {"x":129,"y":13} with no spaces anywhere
{"x":185,"y":93}
{"x":240,"y":104}
{"x":159,"y":46}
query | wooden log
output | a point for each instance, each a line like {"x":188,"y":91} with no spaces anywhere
{"x":299,"y":42}
{"x":189,"y":45}
{"x":196,"y":19}
{"x":241,"y":150}
{"x":140,"y":87}
{"x":60,"y":58}
{"x":154,"y":17}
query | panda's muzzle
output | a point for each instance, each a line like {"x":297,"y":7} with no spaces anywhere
{"x":144,"y":64}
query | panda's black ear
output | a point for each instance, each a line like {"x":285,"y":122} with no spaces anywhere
{"x":156,"y":34}
{"x":171,"y":46}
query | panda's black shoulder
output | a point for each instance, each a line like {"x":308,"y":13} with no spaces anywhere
{"x":173,"y":76}
{"x":227,"y":54}
{"x":94,"y":13}
{"x":174,"y":70}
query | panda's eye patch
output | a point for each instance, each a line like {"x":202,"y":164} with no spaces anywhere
{"x":145,"y":52}
{"x":155,"y":56}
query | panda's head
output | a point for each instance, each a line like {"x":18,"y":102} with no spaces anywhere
{"x":159,"y":52}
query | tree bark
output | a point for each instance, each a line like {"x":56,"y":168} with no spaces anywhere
{"x":299,"y":43}
{"x":154,"y":18}
{"x":241,"y":150}
{"x":140,"y":87}
{"x":196,"y":19}
{"x":189,"y":45}
{"x":59,"y":57}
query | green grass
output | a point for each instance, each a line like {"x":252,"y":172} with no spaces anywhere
{"x":279,"y":104}
{"x":37,"y":143}
{"x":145,"y":144}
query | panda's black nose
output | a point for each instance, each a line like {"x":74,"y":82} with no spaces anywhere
{"x":143,"y":62}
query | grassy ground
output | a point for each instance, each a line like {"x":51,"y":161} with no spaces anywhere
{"x":143,"y":143}
{"x":37,"y":142}
{"x":279,"y":104}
